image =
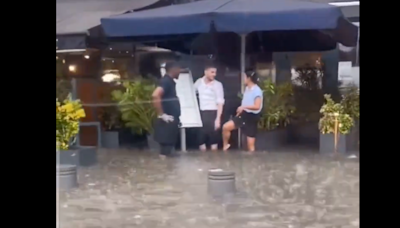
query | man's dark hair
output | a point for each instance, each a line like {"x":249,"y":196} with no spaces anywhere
{"x":170,"y":65}
{"x":210,"y":65}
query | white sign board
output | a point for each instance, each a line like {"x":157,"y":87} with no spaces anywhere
{"x":345,"y":71}
{"x":190,"y":113}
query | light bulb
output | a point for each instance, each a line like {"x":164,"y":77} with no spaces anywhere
{"x":72,"y":68}
{"x":110,"y":77}
{"x":87,"y":56}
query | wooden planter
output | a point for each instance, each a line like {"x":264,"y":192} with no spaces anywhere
{"x":327,"y":144}
{"x":268,"y":140}
{"x":110,"y":139}
{"x":78,"y":156}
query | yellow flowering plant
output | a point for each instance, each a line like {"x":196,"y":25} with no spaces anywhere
{"x":68,"y":114}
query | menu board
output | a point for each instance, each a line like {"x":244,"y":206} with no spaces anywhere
{"x":190,"y":112}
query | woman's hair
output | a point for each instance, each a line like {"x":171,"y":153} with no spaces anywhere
{"x":253,"y":76}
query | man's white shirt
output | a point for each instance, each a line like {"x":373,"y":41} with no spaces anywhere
{"x":210,"y":94}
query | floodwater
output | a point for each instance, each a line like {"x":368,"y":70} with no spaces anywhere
{"x":275,"y":190}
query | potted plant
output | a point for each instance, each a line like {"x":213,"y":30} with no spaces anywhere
{"x":68,"y":114}
{"x":308,"y":99}
{"x":111,"y":122}
{"x":334,"y":125}
{"x":351,"y":105}
{"x":275,"y":115}
{"x":135,"y":105}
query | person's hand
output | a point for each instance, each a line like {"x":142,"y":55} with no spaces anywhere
{"x":166,"y":118}
{"x":217,"y":124}
{"x":239,"y":110}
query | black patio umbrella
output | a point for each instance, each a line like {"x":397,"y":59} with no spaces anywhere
{"x":238,"y":16}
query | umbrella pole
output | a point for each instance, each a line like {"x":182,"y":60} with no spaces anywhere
{"x":358,"y":46}
{"x":242,"y":76}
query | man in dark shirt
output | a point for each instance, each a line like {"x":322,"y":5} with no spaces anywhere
{"x":166,"y":102}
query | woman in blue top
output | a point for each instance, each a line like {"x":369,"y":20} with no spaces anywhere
{"x":247,"y":115}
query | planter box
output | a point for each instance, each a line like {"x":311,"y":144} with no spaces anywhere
{"x":353,"y":138}
{"x":268,"y":140}
{"x":68,"y":157}
{"x":78,"y":156}
{"x":152,"y":144}
{"x":110,"y":139}
{"x":327,"y":144}
{"x":305,"y":134}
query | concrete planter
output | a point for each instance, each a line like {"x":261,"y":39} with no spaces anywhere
{"x":353,"y":138}
{"x":152,"y":144}
{"x":110,"y":139}
{"x":305,"y":134}
{"x":68,"y":157}
{"x":327,"y":144}
{"x":78,"y":156}
{"x":269,"y":140}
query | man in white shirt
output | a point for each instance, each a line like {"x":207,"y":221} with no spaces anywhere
{"x":211,"y":98}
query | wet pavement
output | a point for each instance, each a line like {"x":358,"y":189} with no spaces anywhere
{"x":275,"y":190}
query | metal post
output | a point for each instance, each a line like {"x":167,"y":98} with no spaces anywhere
{"x":74,"y":89}
{"x":242,"y":78}
{"x":358,"y":47}
{"x":74,"y":96}
{"x":336,"y":135}
{"x":183,"y":139}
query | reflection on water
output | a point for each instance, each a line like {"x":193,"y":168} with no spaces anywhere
{"x":287,"y":190}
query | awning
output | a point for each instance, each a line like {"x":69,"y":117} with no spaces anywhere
{"x":78,"y":16}
{"x":77,"y":21}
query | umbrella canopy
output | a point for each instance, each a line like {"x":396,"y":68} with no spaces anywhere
{"x":239,"y":16}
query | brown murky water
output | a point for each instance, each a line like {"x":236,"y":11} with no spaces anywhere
{"x":276,"y":190}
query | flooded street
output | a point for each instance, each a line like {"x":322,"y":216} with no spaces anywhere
{"x":275,"y":190}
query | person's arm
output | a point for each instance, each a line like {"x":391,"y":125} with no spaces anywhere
{"x":157,"y":95}
{"x":220,"y":100}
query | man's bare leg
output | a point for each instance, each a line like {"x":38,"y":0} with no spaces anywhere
{"x":251,"y":142}
{"x":226,"y":134}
